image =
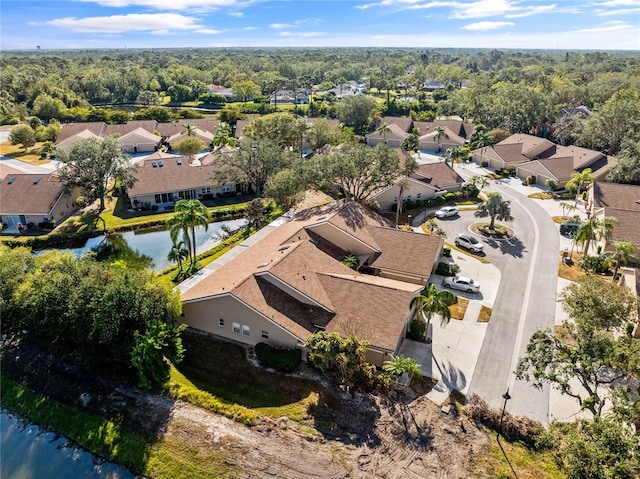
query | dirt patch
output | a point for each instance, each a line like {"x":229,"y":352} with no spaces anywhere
{"x":357,"y":436}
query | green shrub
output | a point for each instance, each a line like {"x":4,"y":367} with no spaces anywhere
{"x":484,"y":164}
{"x":409,"y":204}
{"x":437,"y":201}
{"x":46,"y":225}
{"x":417,"y":330}
{"x":446,"y":252}
{"x":449,"y":196}
{"x":282,"y":359}
{"x":531,"y":180}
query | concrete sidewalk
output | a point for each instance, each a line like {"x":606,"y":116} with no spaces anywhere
{"x":452,"y":356}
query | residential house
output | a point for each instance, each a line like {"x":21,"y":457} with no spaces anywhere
{"x":457,"y":132}
{"x":621,"y":202}
{"x":429,"y":181}
{"x":291,"y":282}
{"x":533,"y":156}
{"x":32,"y":199}
{"x":133,"y":136}
{"x":163,"y":178}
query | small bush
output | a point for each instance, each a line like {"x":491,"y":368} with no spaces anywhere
{"x":514,"y":428}
{"x":436,"y":201}
{"x":449,"y":196}
{"x":484,"y":164}
{"x":278,"y":358}
{"x":417,"y":330}
{"x":531,"y":180}
{"x":446,"y":252}
{"x":409,"y":204}
{"x":46,"y":225}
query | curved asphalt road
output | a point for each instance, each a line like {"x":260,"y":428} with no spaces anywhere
{"x":525,"y":301}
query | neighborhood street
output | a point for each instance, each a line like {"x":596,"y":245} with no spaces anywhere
{"x":526,"y":299}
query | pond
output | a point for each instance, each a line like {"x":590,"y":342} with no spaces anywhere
{"x":29,"y":452}
{"x":150,"y":248}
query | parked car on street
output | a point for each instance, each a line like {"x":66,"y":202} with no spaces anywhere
{"x":568,"y":228}
{"x":447,"y":211}
{"x":469,"y":242}
{"x":462,"y":283}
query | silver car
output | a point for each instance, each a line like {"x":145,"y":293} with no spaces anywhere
{"x":462,"y":283}
{"x":447,"y":211}
{"x":470,"y":243}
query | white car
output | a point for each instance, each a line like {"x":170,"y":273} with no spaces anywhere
{"x":447,"y":211}
{"x":462,"y":283}
{"x":470,"y":243}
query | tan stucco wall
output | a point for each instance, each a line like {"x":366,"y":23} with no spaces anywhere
{"x":405,"y":277}
{"x":388,"y":197}
{"x":204,"y":315}
{"x":142,"y":147}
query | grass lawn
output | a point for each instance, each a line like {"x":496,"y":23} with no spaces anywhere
{"x":485,"y":314}
{"x":541,"y":195}
{"x":31,"y":155}
{"x":573,"y":272}
{"x":237,"y":384}
{"x":514,"y":460}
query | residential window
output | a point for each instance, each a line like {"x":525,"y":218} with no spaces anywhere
{"x":220,"y":322}
{"x":236,"y":328}
{"x":157,"y":199}
{"x":206,"y":190}
{"x":265,"y":334}
{"x":419,"y":195}
{"x":245,"y":330}
{"x":226,"y":188}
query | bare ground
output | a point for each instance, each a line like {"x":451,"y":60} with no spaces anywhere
{"x":360,"y":437}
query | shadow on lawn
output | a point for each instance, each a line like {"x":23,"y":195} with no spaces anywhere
{"x":350,"y":420}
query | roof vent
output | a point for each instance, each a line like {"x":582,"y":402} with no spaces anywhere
{"x":11,"y":180}
{"x":160,"y":163}
{"x":179,"y":161}
{"x":36,"y":181}
{"x":154,"y":164}
{"x":283,"y":248}
{"x":262,"y":265}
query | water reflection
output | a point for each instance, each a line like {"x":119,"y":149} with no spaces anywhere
{"x":150,"y":249}
{"x":30,"y":453}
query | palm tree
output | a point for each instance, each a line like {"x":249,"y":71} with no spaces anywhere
{"x":623,"y":253}
{"x":190,"y":128}
{"x":178,"y":253}
{"x":566,"y":208}
{"x":432,"y":301}
{"x":594,"y":229}
{"x":441,"y":134}
{"x":383,"y":130}
{"x":494,"y":207}
{"x":189,"y":214}
{"x":411,"y":142}
{"x":578,"y":180}
{"x":480,"y":138}
{"x":403,"y":184}
{"x":402,"y":364}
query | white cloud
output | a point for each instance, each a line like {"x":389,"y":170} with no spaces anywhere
{"x":123,"y":23}
{"x":616,"y":3}
{"x":483,"y":26}
{"x":173,"y":4}
{"x":620,"y":11}
{"x":209,"y":31}
{"x":466,"y":10}
{"x":236,"y":14}
{"x":540,"y":9}
{"x":281,"y":26}
{"x":249,"y":28}
{"x":614,"y":26}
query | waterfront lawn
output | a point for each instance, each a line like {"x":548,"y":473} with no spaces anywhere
{"x":238,"y":382}
{"x":144,"y":455}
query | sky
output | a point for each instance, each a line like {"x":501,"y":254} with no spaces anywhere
{"x":532,"y":24}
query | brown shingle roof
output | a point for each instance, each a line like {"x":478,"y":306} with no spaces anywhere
{"x":6,"y":170}
{"x":170,"y":129}
{"x":174,"y":174}
{"x":403,"y":125}
{"x":286,"y":257}
{"x":417,"y":254}
{"x":440,"y":175}
{"x":128,"y":127}
{"x":25,"y":194}
{"x":617,"y":195}
{"x":511,"y":153}
{"x":560,"y":167}
{"x":69,"y":129}
{"x":371,"y":311}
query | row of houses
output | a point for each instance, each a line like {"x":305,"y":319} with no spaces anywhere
{"x":138,"y":136}
{"x":433,"y":136}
